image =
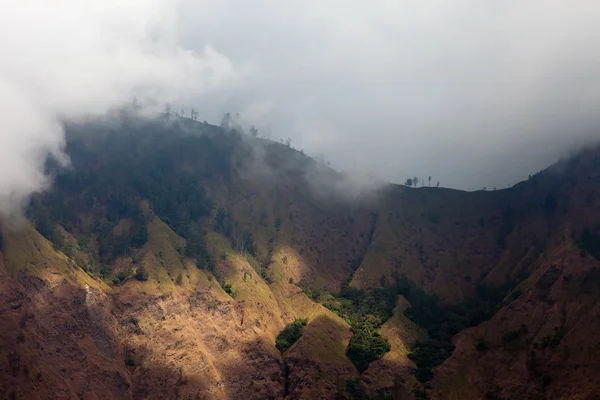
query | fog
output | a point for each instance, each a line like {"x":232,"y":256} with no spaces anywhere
{"x":72,"y":59}
{"x":472,"y":93}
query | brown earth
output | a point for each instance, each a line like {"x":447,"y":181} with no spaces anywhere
{"x":66,"y":335}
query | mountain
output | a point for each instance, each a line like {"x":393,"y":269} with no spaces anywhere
{"x":176,"y":259}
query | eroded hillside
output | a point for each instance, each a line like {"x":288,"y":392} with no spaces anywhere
{"x":167,"y":259}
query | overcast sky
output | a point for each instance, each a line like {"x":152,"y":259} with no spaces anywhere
{"x":474,"y":93}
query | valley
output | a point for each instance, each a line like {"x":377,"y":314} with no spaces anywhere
{"x":167,"y":259}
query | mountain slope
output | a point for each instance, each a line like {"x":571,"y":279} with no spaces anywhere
{"x":180,"y":251}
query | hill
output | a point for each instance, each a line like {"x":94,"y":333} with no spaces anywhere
{"x":166,"y":260}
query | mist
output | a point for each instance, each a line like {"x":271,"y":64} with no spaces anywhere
{"x":472,"y":93}
{"x":71,"y":59}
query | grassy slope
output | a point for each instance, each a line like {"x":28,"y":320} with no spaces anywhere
{"x":446,"y":241}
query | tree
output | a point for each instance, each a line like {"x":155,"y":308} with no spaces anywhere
{"x":429,"y":180}
{"x":141,"y":274}
{"x":168,"y":110}
{"x":290,"y":334}
{"x":409,"y":182}
{"x":288,"y":142}
{"x":438,"y":184}
{"x":415,"y":181}
{"x":253,"y":131}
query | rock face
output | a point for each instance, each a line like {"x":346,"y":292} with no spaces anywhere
{"x":187,"y":329}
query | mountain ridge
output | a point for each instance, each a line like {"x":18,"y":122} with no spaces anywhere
{"x":239,"y":236}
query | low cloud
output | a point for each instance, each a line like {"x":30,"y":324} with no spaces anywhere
{"x":71,"y":59}
{"x":472,"y":93}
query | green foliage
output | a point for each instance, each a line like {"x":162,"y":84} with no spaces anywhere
{"x":290,"y":334}
{"x":105,"y":272}
{"x":365,"y":346}
{"x":141,"y":274}
{"x":443,"y":321}
{"x":112,"y":173}
{"x":428,"y":355}
{"x":204,"y":259}
{"x":365,"y":311}
{"x":228,"y":288}
{"x":120,"y":277}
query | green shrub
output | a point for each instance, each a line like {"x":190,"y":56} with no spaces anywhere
{"x":120,"y":277}
{"x":428,"y":355}
{"x":141,"y":274}
{"x":204,"y":259}
{"x":228,"y":288}
{"x":290,"y":334}
{"x":366,"y":346}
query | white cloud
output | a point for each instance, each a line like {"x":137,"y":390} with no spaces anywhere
{"x":71,"y":58}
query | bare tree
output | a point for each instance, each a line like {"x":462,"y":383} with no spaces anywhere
{"x":288,"y":142}
{"x":429,"y":180}
{"x":168,"y":110}
{"x":438,"y":184}
{"x":415,"y":181}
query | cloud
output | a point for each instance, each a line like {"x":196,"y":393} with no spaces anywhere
{"x":473,"y":93}
{"x":67,"y":59}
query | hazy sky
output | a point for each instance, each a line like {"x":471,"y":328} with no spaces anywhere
{"x":473,"y":93}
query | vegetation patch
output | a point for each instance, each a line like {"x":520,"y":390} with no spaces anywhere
{"x":366,"y":345}
{"x":367,"y":311}
{"x":290,"y":334}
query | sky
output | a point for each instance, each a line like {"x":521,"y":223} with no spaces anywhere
{"x":471,"y":93}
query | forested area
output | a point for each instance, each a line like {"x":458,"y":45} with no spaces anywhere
{"x":98,"y":198}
